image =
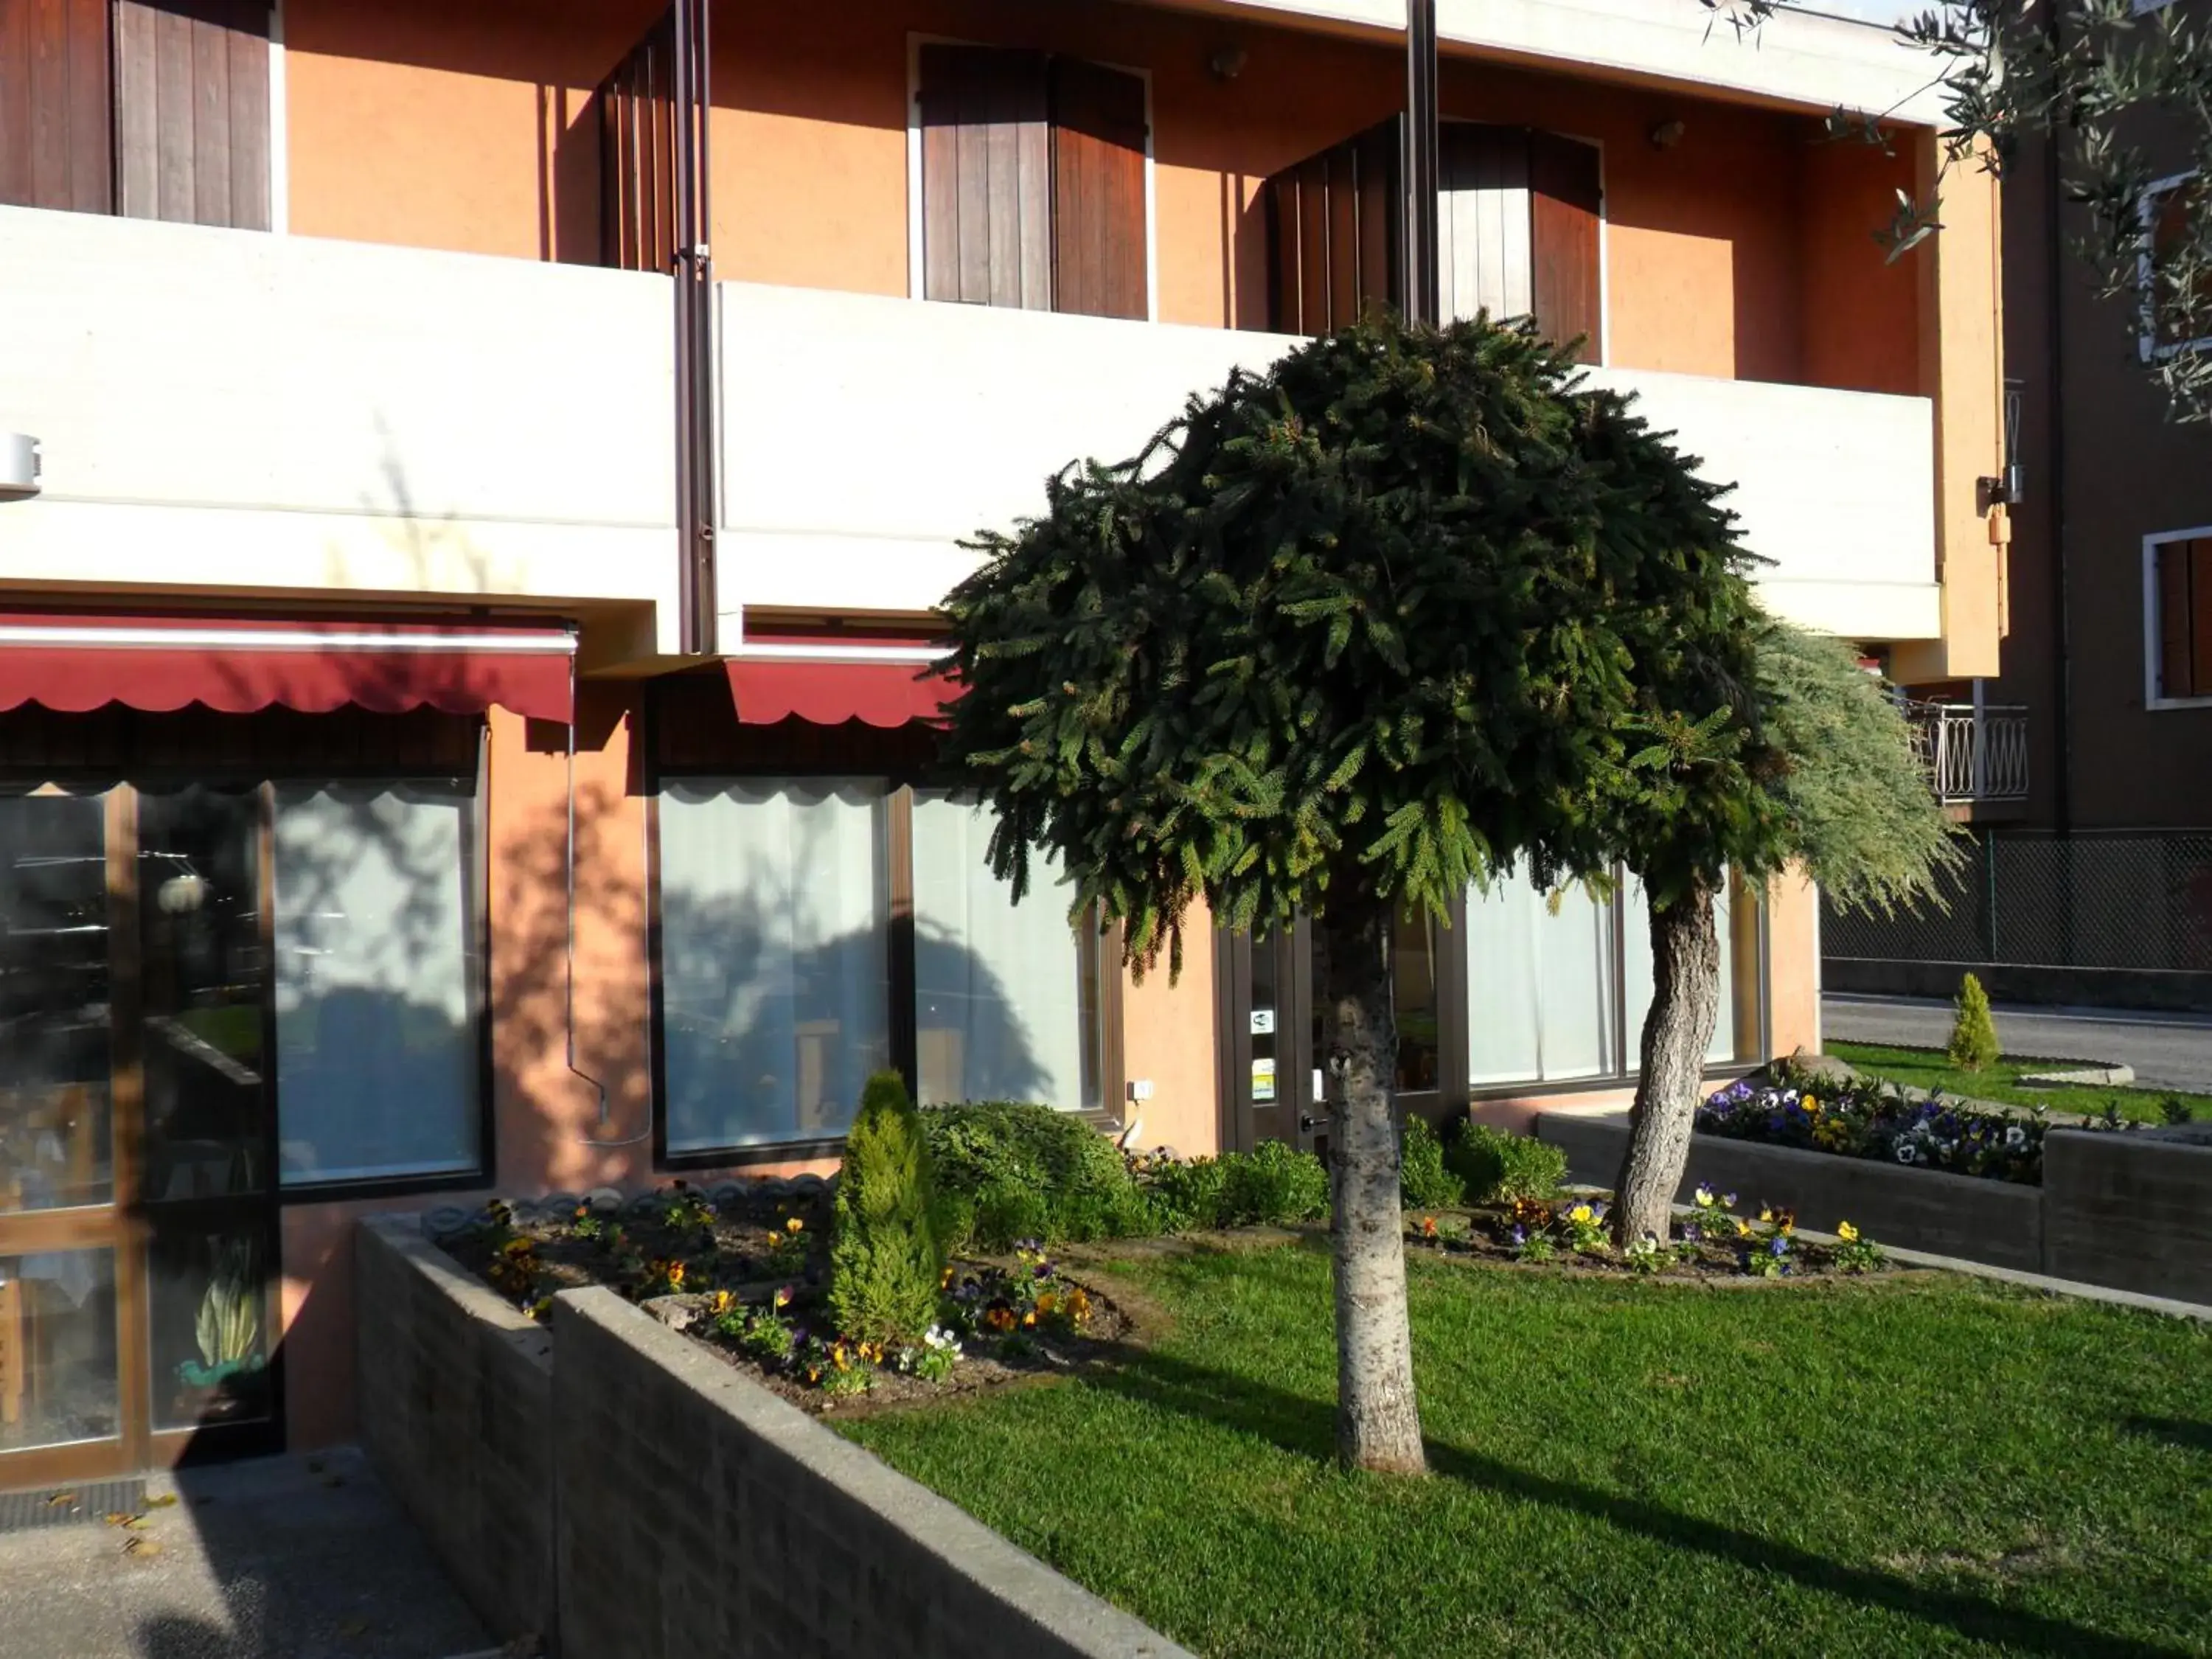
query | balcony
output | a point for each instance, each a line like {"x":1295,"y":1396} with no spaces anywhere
{"x":865,"y":437}
{"x":233,"y":412}
{"x":1974,"y":757}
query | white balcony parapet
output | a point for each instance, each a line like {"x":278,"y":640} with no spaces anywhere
{"x":865,"y":437}
{"x":232,"y":413}
{"x":1972,"y":755}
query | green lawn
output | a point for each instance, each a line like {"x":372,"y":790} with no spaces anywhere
{"x":1927,"y":1068}
{"x":1920,"y":1465}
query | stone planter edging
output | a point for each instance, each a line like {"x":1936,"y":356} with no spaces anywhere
{"x":682,"y":1508}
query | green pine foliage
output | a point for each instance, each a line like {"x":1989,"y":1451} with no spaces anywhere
{"x":886,"y":1261}
{"x":1424,"y":1180}
{"x":1973,"y":1045}
{"x":1859,"y":810}
{"x":1409,"y":607}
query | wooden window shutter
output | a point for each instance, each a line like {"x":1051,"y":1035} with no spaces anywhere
{"x":1484,"y":222}
{"x":1100,"y":263}
{"x":55,"y":113}
{"x":986,"y":229}
{"x":1335,"y":232}
{"x":1565,"y":206}
{"x":191,"y":111}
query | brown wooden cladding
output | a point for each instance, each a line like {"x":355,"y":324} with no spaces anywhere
{"x":55,"y":112}
{"x":1032,"y":181}
{"x":1099,"y":256}
{"x":1334,"y":231}
{"x":2185,"y":618}
{"x":191,"y":111}
{"x":1566,"y":205}
{"x":638,"y":112}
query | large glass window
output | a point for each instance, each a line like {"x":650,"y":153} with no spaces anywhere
{"x":377,"y":1061}
{"x":1558,"y":984}
{"x":776,"y":963}
{"x":56,"y":1141}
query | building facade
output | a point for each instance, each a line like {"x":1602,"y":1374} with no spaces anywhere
{"x":499,"y":464}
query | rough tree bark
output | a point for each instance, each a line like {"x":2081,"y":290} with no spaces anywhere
{"x":1686,"y":997}
{"x":1378,"y":1425}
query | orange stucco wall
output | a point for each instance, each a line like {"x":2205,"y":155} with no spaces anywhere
{"x":1740,"y":249}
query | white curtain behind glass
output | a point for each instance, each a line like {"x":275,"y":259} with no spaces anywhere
{"x":1540,"y":985}
{"x":1637,"y":916}
{"x":377,"y":1070}
{"x":774,"y":921}
{"x":998,"y":986}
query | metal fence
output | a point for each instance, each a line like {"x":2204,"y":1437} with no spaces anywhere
{"x":2139,"y":900}
{"x":1970,"y":754}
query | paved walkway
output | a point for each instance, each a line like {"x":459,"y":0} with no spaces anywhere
{"x":284,"y":1558}
{"x":2168,"y":1051}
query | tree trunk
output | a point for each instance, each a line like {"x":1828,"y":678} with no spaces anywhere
{"x":1377,"y":1423}
{"x":1686,"y":997}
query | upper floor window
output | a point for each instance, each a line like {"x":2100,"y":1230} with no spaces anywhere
{"x":1032,"y":188}
{"x":2180,"y":616}
{"x":154,"y":109}
{"x":2167,"y":268}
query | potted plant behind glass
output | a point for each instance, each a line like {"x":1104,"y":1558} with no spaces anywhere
{"x":228,"y":1331}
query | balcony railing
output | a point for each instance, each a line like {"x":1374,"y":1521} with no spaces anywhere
{"x":1971,"y":755}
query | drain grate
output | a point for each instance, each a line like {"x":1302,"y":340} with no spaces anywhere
{"x":69,"y":1505}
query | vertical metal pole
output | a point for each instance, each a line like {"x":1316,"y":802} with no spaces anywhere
{"x":1981,"y":780}
{"x":1419,"y":301}
{"x":707,"y":463}
{"x":696,"y":460}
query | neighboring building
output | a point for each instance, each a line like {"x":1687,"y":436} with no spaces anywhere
{"x":2091,"y":875}
{"x":462,"y":724}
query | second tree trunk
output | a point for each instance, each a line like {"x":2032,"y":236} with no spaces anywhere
{"x":1685,"y":998}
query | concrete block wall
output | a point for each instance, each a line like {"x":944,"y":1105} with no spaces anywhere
{"x":455,"y":1400}
{"x":701,"y":1515}
{"x":610,"y":1485}
{"x":2130,"y":1211}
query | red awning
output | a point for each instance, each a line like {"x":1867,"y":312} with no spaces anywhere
{"x":881,"y":683}
{"x":237,"y":665}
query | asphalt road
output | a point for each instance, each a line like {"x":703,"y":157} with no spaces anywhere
{"x":2168,"y":1051}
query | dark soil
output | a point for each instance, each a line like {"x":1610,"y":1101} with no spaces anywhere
{"x":1717,"y":1253}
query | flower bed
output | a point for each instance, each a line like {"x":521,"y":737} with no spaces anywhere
{"x":1717,"y":1242}
{"x":742,"y":1269}
{"x":1876,"y":1120}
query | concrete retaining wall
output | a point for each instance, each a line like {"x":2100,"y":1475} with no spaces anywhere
{"x":2180,"y":991}
{"x":2132,"y":1212}
{"x":684,"y":1509}
{"x":455,"y":1401}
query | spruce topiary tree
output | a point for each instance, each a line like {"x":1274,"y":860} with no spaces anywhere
{"x":1392,"y":617}
{"x":1973,"y":1045}
{"x":885,"y":1263}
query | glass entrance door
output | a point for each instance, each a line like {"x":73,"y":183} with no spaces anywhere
{"x":113,"y":1285}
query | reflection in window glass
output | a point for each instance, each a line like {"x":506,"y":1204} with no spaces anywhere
{"x":207,"y":1319}
{"x":377,"y":1061}
{"x":58,"y":1356}
{"x":203,"y":981}
{"x":776,"y":977}
{"x":1541,"y":985}
{"x":1413,"y":997}
{"x":56,"y":1143}
{"x":1001,"y":1005}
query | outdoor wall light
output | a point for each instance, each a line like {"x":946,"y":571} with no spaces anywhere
{"x":1228,"y":62}
{"x":1668,"y":134}
{"x":2009,"y":488}
{"x":19,"y":466}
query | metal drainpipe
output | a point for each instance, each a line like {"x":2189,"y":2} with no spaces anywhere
{"x":2062,"y":784}
{"x":1418,"y":299}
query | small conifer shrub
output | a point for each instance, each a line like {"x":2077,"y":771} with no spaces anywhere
{"x":1973,"y":1045}
{"x":886,"y":1261}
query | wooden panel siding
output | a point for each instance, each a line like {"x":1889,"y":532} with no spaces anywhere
{"x":1335,"y":233}
{"x":1098,"y":133}
{"x":1566,"y":205}
{"x":192,"y":126}
{"x":986,"y":225}
{"x":1483,"y":231}
{"x":55,"y":109}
